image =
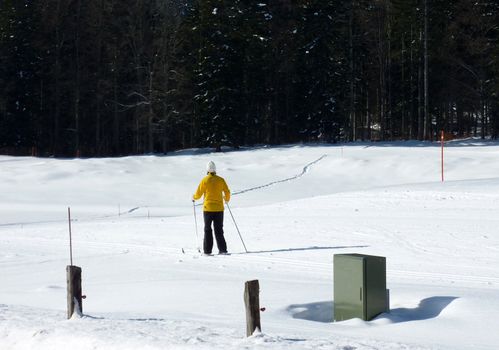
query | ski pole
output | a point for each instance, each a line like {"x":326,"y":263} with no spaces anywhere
{"x":196,"y":224}
{"x":235,"y":224}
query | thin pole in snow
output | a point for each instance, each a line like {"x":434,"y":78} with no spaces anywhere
{"x":70,"y":237}
{"x":237,"y":228}
{"x":196,"y":224}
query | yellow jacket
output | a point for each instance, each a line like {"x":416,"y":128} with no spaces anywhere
{"x":212,"y":186}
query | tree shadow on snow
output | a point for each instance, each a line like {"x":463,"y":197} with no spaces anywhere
{"x":323,"y":311}
{"x":302,"y":249}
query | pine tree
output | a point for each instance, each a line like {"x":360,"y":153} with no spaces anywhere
{"x":219,"y":73}
{"x":323,"y":75}
{"x":18,"y":76}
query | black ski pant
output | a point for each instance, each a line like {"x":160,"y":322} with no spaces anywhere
{"x":217,"y":218}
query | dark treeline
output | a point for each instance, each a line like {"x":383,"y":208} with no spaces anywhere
{"x":117,"y":77}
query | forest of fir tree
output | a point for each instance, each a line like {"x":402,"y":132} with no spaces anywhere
{"x":119,"y":77}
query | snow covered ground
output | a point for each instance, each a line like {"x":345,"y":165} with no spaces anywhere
{"x":296,"y":207}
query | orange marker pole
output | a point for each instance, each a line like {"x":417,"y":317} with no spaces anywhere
{"x":442,"y":153}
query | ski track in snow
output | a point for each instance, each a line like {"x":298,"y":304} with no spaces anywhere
{"x":303,"y":172}
{"x":86,"y":219}
{"x":256,"y":258}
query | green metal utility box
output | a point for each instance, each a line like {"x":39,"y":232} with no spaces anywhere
{"x":359,"y":286}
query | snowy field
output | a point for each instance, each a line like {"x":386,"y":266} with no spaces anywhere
{"x":296,"y":206}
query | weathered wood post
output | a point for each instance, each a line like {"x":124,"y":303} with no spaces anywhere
{"x":252,"y":302}
{"x":73,"y":277}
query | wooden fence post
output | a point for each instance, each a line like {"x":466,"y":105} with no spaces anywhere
{"x":252,"y":302}
{"x":73,"y":277}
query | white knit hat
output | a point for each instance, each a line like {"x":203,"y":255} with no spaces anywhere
{"x":210,"y":167}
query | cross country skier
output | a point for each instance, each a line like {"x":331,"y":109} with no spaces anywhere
{"x":215,"y":191}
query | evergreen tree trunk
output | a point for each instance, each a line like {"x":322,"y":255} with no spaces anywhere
{"x":421,"y":125}
{"x":77,"y":80}
{"x":353,"y":127}
{"x":427,"y":122}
